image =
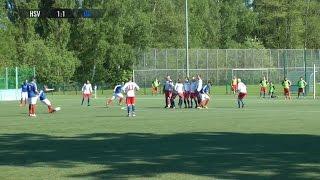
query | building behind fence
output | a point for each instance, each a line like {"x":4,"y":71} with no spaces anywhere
{"x":219,"y":65}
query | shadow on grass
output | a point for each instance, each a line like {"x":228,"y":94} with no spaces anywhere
{"x":218,"y":155}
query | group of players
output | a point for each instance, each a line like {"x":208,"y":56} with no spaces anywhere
{"x":30,"y":94}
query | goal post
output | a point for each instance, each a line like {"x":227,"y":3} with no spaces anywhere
{"x":250,"y":75}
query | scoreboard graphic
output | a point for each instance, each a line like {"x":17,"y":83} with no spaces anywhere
{"x":61,"y":13}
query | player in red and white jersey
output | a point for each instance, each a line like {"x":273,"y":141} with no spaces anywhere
{"x":179,"y":90}
{"x":242,"y":90}
{"x":168,"y":91}
{"x":129,"y":88}
{"x":86,"y":92}
{"x":186,"y":93}
{"x":193,"y":92}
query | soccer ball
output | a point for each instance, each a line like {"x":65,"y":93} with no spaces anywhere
{"x":57,"y":109}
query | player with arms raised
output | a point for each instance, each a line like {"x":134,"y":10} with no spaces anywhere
{"x":43,"y":98}
{"x":129,"y":88}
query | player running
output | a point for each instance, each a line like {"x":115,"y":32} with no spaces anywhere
{"x":32,"y":97}
{"x":186,"y":94}
{"x":263,"y":87}
{"x":43,"y":98}
{"x":129,"y":88}
{"x":116,"y":94}
{"x":205,"y":97}
{"x":242,"y":90}
{"x":179,"y":90}
{"x":24,"y":94}
{"x":193,"y":92}
{"x":86,"y":92}
{"x":155,"y":87}
{"x":234,"y":84}
{"x":301,"y":87}
{"x":168,"y":90}
{"x":286,"y":88}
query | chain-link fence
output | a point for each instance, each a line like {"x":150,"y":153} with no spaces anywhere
{"x":217,"y":65}
{"x":13,"y":77}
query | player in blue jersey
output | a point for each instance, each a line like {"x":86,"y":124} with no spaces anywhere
{"x":32,"y":97}
{"x":24,"y":94}
{"x":43,"y":98}
{"x":205,"y":97}
{"x":117,"y":93}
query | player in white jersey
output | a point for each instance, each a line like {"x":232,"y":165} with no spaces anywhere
{"x":193,"y":92}
{"x":179,"y":91}
{"x":186,"y":93}
{"x":86,"y":92}
{"x":242,"y":90}
{"x":199,"y":88}
{"x":129,"y":88}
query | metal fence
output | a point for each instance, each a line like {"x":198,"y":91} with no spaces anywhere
{"x":13,"y":77}
{"x":217,"y":64}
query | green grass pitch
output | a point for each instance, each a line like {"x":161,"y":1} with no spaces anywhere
{"x":269,"y":139}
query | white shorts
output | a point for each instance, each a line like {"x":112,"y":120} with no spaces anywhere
{"x":33,"y":100}
{"x":24,"y":95}
{"x":46,"y":102}
{"x":205,"y":97}
{"x":118,"y":95}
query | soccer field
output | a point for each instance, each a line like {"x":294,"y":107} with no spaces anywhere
{"x":269,"y":139}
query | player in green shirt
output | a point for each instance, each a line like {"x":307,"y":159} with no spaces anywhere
{"x":286,"y":88}
{"x":263,"y":87}
{"x":271,"y":89}
{"x":155,"y":87}
{"x":301,"y":86}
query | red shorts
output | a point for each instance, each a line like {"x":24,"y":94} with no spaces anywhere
{"x":168,"y":94}
{"x":234,"y":87}
{"x":186,"y":95}
{"x":300,"y":90}
{"x":131,"y":100}
{"x":241,"y":95}
{"x":181,"y":95}
{"x":86,"y":95}
{"x":193,"y":95}
{"x":286,"y":91}
{"x":263,"y":89}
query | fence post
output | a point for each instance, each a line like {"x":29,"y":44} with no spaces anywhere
{"x":155,"y":58}
{"x":17,"y":78}
{"x":217,"y":76}
{"x":7,"y":86}
{"x":207,"y":65}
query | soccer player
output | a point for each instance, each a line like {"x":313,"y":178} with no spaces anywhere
{"x":271,"y":89}
{"x":186,"y":94}
{"x":24,"y":93}
{"x":168,"y":90}
{"x":205,"y":97}
{"x":179,"y":90}
{"x":263,"y":87}
{"x":86,"y":92}
{"x":286,"y":88}
{"x":32,"y":97}
{"x":193,"y":92}
{"x":242,"y":90}
{"x":234,"y":84}
{"x":129,"y":88}
{"x":301,"y":85}
{"x":199,"y":88}
{"x":155,"y":87}
{"x":43,"y":98}
{"x":116,"y":94}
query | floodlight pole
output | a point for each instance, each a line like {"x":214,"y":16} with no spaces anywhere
{"x":187,"y":39}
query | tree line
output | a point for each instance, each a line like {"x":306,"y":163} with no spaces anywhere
{"x":105,"y":49}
